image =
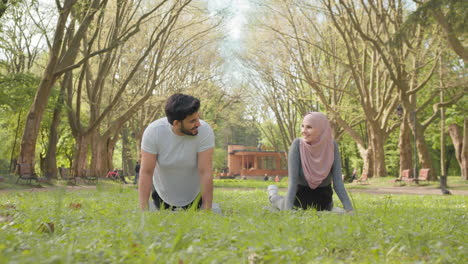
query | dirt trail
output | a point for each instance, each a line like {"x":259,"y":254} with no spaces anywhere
{"x":408,"y":190}
{"x":50,"y":188}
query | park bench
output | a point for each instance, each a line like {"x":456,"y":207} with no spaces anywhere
{"x":423,"y":176}
{"x":25,"y":172}
{"x":405,"y":177}
{"x":66,"y":175}
{"x":87,"y":176}
{"x":363,"y":179}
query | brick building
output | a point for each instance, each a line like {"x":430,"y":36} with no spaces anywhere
{"x":251,"y":161}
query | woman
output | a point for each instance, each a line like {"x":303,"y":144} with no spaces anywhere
{"x":313,"y":164}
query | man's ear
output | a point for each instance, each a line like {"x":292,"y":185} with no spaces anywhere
{"x":176,"y":123}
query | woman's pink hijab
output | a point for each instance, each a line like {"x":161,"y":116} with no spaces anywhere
{"x":317,"y":158}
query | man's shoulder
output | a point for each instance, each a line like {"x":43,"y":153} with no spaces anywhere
{"x":161,"y":122}
{"x":205,"y":127}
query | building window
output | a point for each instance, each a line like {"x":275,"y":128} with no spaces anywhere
{"x":283,"y":163}
{"x":267,"y":163}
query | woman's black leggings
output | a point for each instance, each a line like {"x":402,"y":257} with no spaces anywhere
{"x":319,"y":198}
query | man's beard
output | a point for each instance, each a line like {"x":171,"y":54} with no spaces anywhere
{"x":185,"y":131}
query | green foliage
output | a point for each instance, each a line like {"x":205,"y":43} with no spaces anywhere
{"x":104,"y":226}
{"x":258,"y":184}
{"x":392,"y":155}
{"x":219,"y":159}
{"x":17,"y":90}
{"x":350,"y":157}
{"x":16,"y":94}
{"x":269,"y":128}
{"x":454,"y":10}
{"x":458,"y":112}
{"x":65,"y":149}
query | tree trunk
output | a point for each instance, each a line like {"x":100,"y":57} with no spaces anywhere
{"x":81,"y":155}
{"x":50,"y":167}
{"x":464,"y":157}
{"x":127,"y":159}
{"x":366,"y":155}
{"x":404,"y":144}
{"x":425,"y":159}
{"x":101,"y":154}
{"x":33,"y":120}
{"x":459,"y":140}
{"x":13,"y":161}
{"x":377,"y":139}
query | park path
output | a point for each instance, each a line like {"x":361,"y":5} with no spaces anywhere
{"x":51,"y":188}
{"x":408,"y":190}
{"x":417,"y":190}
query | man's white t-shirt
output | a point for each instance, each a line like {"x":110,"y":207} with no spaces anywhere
{"x":175,"y":177}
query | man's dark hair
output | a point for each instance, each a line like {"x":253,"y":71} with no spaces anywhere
{"x":179,"y":106}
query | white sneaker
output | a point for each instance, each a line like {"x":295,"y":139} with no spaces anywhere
{"x":215,"y":208}
{"x":338,"y":210}
{"x":272,"y":190}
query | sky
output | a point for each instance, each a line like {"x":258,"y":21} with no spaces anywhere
{"x":236,"y":20}
{"x":236,"y":15}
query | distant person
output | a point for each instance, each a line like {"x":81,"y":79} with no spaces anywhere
{"x":265,"y":178}
{"x":113,"y":174}
{"x":353,"y":176}
{"x":137,"y":172}
{"x":313,"y":165}
{"x":176,"y":158}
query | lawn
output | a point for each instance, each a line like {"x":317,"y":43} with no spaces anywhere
{"x":454,"y":182}
{"x":104,"y":226}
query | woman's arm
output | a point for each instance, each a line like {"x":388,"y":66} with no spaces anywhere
{"x":294,"y":163}
{"x":338,"y":184}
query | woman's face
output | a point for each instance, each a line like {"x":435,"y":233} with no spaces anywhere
{"x":309,"y":133}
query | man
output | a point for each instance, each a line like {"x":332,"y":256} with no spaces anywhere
{"x":176,"y":158}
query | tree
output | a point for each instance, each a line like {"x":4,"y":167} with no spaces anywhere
{"x":22,"y":40}
{"x":450,"y":15}
{"x":403,"y":59}
{"x":60,"y":61}
{"x":312,"y":68}
{"x":116,"y":85}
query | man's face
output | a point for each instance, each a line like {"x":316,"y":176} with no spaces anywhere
{"x":189,"y":126}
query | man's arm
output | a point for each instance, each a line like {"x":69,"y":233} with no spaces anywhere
{"x":205,"y":171}
{"x":145,"y":182}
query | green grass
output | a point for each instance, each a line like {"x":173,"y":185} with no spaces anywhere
{"x":104,"y":226}
{"x":454,"y":182}
{"x":257,"y":184}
